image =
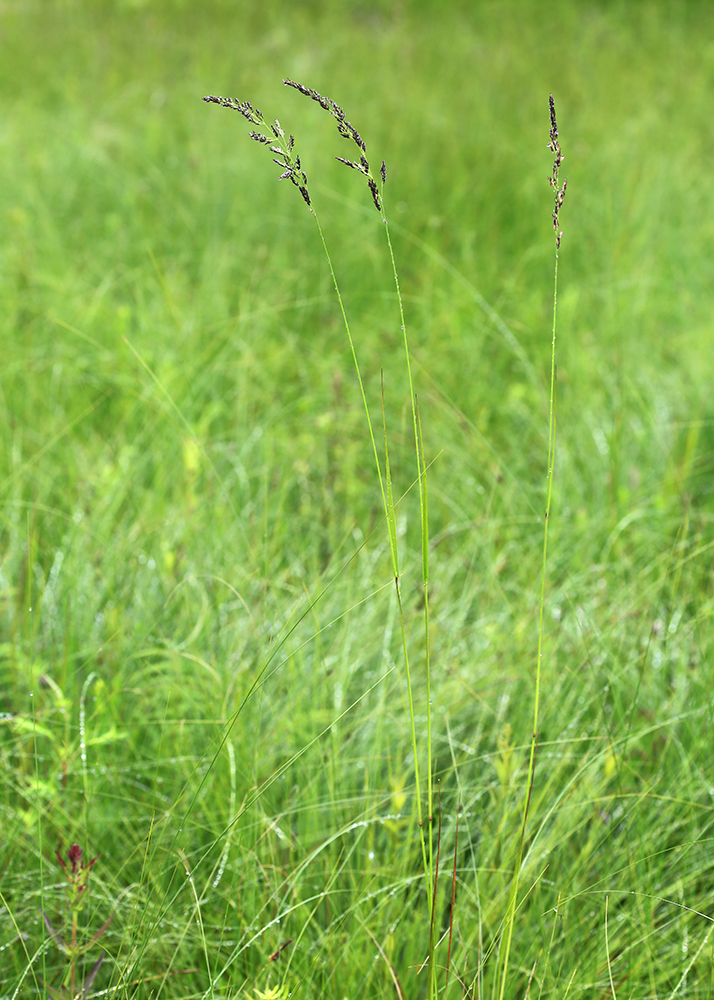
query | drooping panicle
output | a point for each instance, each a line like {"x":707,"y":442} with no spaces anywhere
{"x":252,"y":114}
{"x":554,"y":146}
{"x":346,"y":129}
{"x":280,"y":145}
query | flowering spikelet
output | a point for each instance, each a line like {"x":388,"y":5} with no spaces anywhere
{"x":554,"y":146}
{"x":282,"y":145}
{"x":348,"y":130}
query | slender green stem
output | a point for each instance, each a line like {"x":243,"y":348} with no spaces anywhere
{"x":421,"y":473}
{"x":387,"y":501}
{"x":73,"y":956}
{"x":354,"y":358}
{"x":38,"y":800}
{"x":392,"y":529}
{"x":512,"y":900}
{"x":424,"y":521}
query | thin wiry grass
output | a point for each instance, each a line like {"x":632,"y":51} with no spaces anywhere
{"x":554,"y":146}
{"x":617,"y":815}
{"x":284,"y":149}
{"x":347,"y":130}
{"x":287,"y":158}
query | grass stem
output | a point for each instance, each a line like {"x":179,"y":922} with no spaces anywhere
{"x":513,"y":895}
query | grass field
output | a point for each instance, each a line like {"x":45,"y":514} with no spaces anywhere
{"x":201,"y":671}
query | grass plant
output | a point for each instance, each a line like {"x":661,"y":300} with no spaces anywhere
{"x":201,"y":649}
{"x":290,"y":161}
{"x":510,"y":918}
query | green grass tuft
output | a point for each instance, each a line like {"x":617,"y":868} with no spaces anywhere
{"x":201,"y":675}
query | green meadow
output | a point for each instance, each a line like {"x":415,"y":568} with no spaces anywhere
{"x":202,"y":673}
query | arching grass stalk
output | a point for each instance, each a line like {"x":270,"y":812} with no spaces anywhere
{"x":554,"y":146}
{"x":283,"y":148}
{"x":424,"y":523}
{"x":385,"y":485}
{"x":346,"y":129}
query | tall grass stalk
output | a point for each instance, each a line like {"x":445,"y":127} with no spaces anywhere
{"x":429,"y":870}
{"x":283,"y":147}
{"x":424,"y":524}
{"x":554,"y":146}
{"x":362,"y":165}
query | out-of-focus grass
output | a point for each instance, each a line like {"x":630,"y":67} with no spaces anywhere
{"x":187,"y":502}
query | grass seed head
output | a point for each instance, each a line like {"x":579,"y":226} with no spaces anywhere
{"x":554,"y":147}
{"x":346,"y":129}
{"x":252,"y":114}
{"x":283,"y":147}
{"x":375,"y":193}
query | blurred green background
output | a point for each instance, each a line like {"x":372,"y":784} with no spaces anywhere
{"x":194,"y":572}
